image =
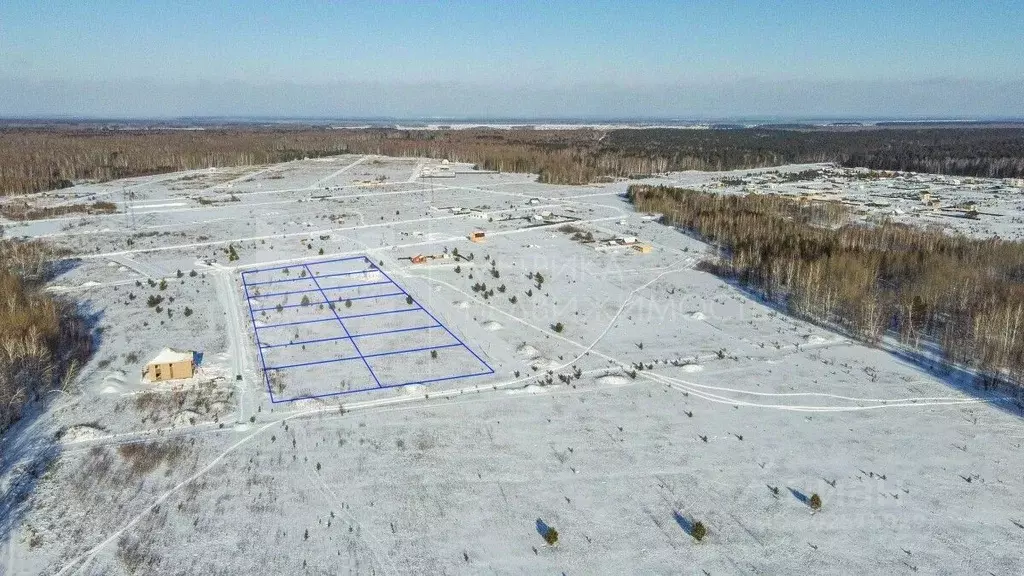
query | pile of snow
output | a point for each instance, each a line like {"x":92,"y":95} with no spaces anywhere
{"x":815,"y":339}
{"x":613,"y":380}
{"x":543,"y":363}
{"x":413,"y":390}
{"x":461,"y":304}
{"x":81,"y":433}
{"x":114,"y":383}
{"x":697,"y":316}
{"x":531,"y":389}
{"x":186,"y":418}
{"x":493,"y":326}
{"x":691,"y":368}
{"x":527,"y":351}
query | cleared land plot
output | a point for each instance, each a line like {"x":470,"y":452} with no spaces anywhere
{"x":342,"y":325}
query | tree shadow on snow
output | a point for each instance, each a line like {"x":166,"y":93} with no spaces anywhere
{"x":57,"y":268}
{"x":683,"y":522}
{"x":542,"y":528}
{"x":803,"y":498}
{"x":1002,"y":395}
{"x":26,"y":453}
{"x":30,"y":445}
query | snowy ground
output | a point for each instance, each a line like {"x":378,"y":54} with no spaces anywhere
{"x":668,"y":397}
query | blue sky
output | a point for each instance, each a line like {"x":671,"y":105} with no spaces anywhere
{"x":684,"y":58}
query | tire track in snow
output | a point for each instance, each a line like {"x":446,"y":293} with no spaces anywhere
{"x":374,"y":544}
{"x":238,"y":352}
{"x":92,"y":552}
{"x":337,"y":173}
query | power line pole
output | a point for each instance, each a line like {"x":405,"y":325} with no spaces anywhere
{"x":129,"y":209}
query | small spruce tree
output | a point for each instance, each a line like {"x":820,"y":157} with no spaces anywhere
{"x":698,"y":531}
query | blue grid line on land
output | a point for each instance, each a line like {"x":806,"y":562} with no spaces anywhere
{"x":314,"y":363}
{"x":346,"y":259}
{"x":411,"y":383}
{"x":352,"y":337}
{"x":375,"y":355}
{"x":301,"y":278}
{"x":434,"y":318}
{"x":299,"y":323}
{"x":256,"y":332}
{"x":289,"y":292}
{"x":330,"y":303}
{"x":354,"y":345}
{"x":343,"y":318}
{"x":381,"y":333}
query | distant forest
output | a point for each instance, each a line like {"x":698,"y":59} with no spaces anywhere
{"x":51,"y":157}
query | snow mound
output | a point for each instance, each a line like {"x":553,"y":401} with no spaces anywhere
{"x":115,"y":376}
{"x":542,"y":363}
{"x":527,"y":351}
{"x":493,"y":326}
{"x":113,"y":383}
{"x":185,"y":418}
{"x":461,"y":304}
{"x":413,"y":390}
{"x":697,"y":316}
{"x":81,"y":433}
{"x":691,"y":368}
{"x":815,"y":339}
{"x":612,"y":380}
{"x":531,"y":389}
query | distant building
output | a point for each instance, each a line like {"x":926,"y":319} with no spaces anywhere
{"x":477,"y":236}
{"x":171,"y":364}
{"x":444,"y":170}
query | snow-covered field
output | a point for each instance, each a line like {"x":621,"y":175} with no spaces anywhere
{"x":667,"y":396}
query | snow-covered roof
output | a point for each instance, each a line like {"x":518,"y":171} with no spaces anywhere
{"x":171,"y":356}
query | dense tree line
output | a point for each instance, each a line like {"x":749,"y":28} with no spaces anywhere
{"x":43,"y":339}
{"x":932,"y":290}
{"x":52,"y":157}
{"x":988,"y":152}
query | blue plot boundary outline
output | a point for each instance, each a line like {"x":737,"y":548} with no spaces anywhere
{"x":348,"y":336}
